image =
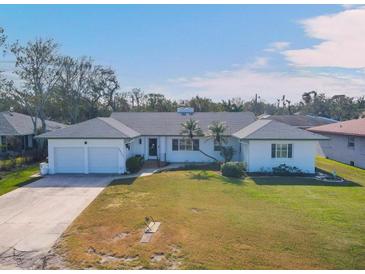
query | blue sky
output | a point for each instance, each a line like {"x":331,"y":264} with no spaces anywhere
{"x":218,"y":51}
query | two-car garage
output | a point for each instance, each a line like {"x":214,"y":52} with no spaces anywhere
{"x":91,"y":156}
{"x":92,"y":146}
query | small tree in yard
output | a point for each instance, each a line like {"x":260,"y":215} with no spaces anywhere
{"x":216,"y":133}
{"x":191,"y":129}
{"x":227,"y":153}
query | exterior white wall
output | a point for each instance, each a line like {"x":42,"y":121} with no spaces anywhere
{"x":69,"y":143}
{"x":256,"y":154}
{"x":206,"y":146}
{"x":244,"y":152}
{"x":165,"y":152}
{"x":337,"y":149}
{"x":259,"y":156}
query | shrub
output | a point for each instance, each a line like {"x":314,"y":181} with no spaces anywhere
{"x":140,"y":157}
{"x":20,"y":161}
{"x":284,"y":169}
{"x":8,"y":164}
{"x":134,"y":164}
{"x":227,"y":153}
{"x":233,"y":169}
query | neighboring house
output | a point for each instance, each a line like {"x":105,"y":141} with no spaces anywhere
{"x":346,"y":141}
{"x":17,"y":131}
{"x":102,"y":145}
{"x":300,"y":121}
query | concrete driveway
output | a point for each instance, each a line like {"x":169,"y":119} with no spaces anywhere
{"x":34,"y":216}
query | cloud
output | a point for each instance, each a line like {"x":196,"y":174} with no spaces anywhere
{"x":277,"y":46}
{"x":246,"y":83}
{"x":335,"y":64}
{"x":260,"y":62}
{"x":342,"y":43}
{"x":351,"y":6}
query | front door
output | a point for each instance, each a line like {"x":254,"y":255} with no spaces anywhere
{"x":152,"y":148}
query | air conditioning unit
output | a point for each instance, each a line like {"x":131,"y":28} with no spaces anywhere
{"x":185,"y":110}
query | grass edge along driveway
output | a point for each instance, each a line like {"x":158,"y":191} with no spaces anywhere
{"x":17,"y":178}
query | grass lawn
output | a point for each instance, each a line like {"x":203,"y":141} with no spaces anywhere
{"x":14,"y":179}
{"x":211,"y":222}
{"x":347,"y":172}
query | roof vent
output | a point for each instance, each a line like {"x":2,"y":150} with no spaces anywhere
{"x":185,"y":110}
{"x":11,"y":110}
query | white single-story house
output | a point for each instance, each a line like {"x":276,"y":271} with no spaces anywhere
{"x":102,"y":145}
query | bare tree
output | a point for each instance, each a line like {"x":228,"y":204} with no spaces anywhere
{"x":3,"y":81}
{"x":103,"y":84}
{"x":37,"y":68}
{"x":136,"y":96}
{"x":73,"y":84}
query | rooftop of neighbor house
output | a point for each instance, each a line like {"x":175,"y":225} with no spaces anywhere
{"x":354,"y":127}
{"x":297,"y":120}
{"x":14,"y":123}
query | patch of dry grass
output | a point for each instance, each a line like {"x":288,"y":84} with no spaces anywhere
{"x":210,"y":222}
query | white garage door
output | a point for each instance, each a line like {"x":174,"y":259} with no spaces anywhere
{"x":103,"y":160}
{"x":69,"y":159}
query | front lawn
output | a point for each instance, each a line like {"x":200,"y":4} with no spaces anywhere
{"x":211,"y":222}
{"x":14,"y":179}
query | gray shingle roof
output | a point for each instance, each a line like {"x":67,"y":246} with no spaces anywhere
{"x":302,"y":121}
{"x":169,"y":123}
{"x":97,"y":128}
{"x":13,"y":123}
{"x":273,"y":130}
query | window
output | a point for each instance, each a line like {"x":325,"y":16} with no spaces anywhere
{"x":175,"y":144}
{"x":3,"y":143}
{"x":195,"y":144}
{"x":185,"y":144}
{"x":182,"y":145}
{"x":351,"y":141}
{"x":281,"y":150}
{"x":216,"y":146}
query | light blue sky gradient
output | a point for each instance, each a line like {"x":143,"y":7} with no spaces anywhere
{"x":160,"y":48}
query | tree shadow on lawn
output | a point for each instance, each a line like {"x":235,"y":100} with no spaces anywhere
{"x":122,"y":181}
{"x":204,"y":175}
{"x":299,"y":181}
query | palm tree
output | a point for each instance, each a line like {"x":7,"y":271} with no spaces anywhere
{"x":216,"y":133}
{"x":191,"y":129}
